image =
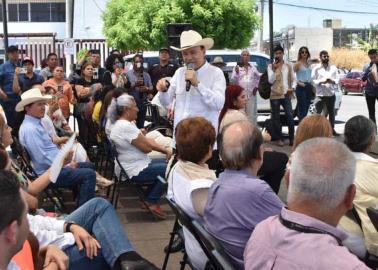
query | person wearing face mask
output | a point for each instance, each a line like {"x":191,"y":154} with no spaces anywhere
{"x":140,"y":87}
{"x":325,"y":78}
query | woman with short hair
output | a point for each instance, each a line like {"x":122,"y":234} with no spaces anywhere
{"x":133,"y":146}
{"x":190,"y":178}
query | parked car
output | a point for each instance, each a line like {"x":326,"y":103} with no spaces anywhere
{"x":352,"y":82}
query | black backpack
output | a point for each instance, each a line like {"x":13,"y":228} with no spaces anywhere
{"x":264,"y":86}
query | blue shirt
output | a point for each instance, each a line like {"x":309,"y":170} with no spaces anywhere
{"x":6,"y":79}
{"x":369,"y":88}
{"x":236,"y":203}
{"x":304,"y":74}
{"x":38,"y":143}
{"x":26,"y":83}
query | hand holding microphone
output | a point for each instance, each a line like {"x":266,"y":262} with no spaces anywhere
{"x":190,"y":76}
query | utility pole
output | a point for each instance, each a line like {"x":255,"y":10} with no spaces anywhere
{"x":5,"y":28}
{"x":271,"y":28}
{"x":261,"y":37}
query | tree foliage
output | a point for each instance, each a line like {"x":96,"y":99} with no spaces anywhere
{"x":137,"y":25}
{"x":372,"y":42}
{"x":349,"y":58}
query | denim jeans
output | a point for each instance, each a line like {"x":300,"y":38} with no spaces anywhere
{"x":304,"y":95}
{"x":370,"y":101}
{"x":84,"y":175}
{"x":99,"y":218}
{"x":149,"y":174}
{"x":276,"y":119}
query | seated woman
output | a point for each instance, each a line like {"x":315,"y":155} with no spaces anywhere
{"x":359,"y":136}
{"x":30,"y":189}
{"x":61,"y":89}
{"x":190,"y":178}
{"x":274,"y":163}
{"x":133,"y":146}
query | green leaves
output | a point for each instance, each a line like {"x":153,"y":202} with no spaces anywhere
{"x":141,"y":25}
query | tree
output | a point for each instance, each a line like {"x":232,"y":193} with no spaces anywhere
{"x":372,"y":41}
{"x":349,"y":58}
{"x":138,"y":25}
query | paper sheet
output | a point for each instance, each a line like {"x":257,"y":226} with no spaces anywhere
{"x":58,"y":162}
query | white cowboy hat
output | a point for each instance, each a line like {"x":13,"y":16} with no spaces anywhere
{"x":218,"y":60}
{"x":190,"y":39}
{"x":29,"y":97}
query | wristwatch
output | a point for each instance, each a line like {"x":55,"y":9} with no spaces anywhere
{"x":68,"y":225}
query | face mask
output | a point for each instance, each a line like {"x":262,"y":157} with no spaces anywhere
{"x":138,"y":65}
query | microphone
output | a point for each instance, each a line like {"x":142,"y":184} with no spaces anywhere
{"x":189,"y":66}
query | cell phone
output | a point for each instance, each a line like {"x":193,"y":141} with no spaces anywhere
{"x":276,"y":59}
{"x":60,"y":88}
{"x":95,"y":73}
{"x":22,"y":70}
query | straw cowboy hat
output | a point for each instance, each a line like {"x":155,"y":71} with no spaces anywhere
{"x":218,"y":61}
{"x":29,"y":97}
{"x":190,"y":39}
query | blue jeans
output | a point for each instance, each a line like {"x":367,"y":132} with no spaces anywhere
{"x":99,"y":218}
{"x":275,"y":105}
{"x":84,"y":175}
{"x":304,"y":95}
{"x":150,"y":174}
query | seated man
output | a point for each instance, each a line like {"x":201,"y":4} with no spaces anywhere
{"x":92,"y":237}
{"x":239,"y":200}
{"x":42,"y":150}
{"x":14,"y":228}
{"x":304,"y":235}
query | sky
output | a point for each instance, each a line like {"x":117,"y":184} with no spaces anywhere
{"x":302,"y":17}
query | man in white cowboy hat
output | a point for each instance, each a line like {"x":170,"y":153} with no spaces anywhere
{"x":42,"y":150}
{"x":199,"y":87}
{"x":218,"y":62}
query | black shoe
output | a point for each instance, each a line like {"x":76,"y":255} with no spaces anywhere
{"x":177,"y":246}
{"x":335,"y":134}
{"x":142,"y":264}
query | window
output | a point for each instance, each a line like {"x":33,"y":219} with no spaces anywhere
{"x":18,"y":12}
{"x":40,"y":12}
{"x":58,"y":12}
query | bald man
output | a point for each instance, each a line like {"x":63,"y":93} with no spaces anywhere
{"x":232,"y":221}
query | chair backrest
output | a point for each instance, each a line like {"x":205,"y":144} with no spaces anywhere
{"x":114,"y":153}
{"x":214,"y":248}
{"x":373,"y":215}
{"x":186,"y":221}
{"x":24,"y":159}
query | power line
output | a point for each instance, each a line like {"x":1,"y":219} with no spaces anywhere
{"x":326,"y":9}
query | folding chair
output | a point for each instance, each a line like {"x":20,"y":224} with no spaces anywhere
{"x":373,"y":215}
{"x":370,"y":259}
{"x":124,"y":179}
{"x":159,"y":123}
{"x":186,"y":221}
{"x":218,"y":257}
{"x":26,"y":167}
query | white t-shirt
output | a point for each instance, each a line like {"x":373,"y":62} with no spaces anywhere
{"x":132,"y":159}
{"x":180,"y":190}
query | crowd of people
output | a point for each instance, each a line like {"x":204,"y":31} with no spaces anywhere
{"x":217,"y":166}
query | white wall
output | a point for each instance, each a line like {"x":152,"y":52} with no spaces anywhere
{"x":36,"y":27}
{"x":315,"y":39}
{"x":87,"y":19}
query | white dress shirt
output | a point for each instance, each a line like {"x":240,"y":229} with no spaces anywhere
{"x":206,"y":100}
{"x":50,"y":230}
{"x":320,"y":74}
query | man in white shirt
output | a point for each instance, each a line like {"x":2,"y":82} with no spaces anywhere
{"x":198,"y":88}
{"x":92,"y":237}
{"x":14,"y":227}
{"x":281,"y":76}
{"x":325,"y":79}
